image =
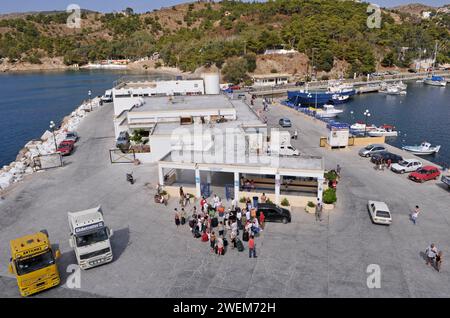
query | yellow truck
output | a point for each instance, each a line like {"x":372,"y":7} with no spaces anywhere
{"x":34,"y":263}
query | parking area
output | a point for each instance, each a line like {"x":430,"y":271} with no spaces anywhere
{"x":302,"y":259}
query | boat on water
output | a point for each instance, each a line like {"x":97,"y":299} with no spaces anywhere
{"x":306,"y":98}
{"x":424,"y":148}
{"x":360,"y":127}
{"x":328,"y":111}
{"x":435,"y":81}
{"x":394,"y":88}
{"x":338,"y":87}
{"x":338,"y":99}
{"x":384,"y":130}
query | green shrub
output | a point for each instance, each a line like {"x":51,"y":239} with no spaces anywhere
{"x":329,"y":196}
{"x":243,"y":200}
{"x":331,"y":175}
{"x":269,"y":201}
{"x":285,"y":202}
{"x":311,"y":204}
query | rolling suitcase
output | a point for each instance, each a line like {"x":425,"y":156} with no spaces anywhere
{"x":245,"y":236}
{"x":225,"y":242}
{"x":183,"y":221}
{"x":239,"y":245}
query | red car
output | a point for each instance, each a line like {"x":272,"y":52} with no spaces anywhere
{"x":65,"y":147}
{"x":425,"y":173}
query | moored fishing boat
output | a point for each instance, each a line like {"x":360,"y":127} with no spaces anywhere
{"x":424,"y":148}
{"x":385,"y":130}
{"x":328,"y":111}
{"x":435,"y":81}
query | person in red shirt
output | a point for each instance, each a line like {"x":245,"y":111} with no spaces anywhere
{"x":262,"y":218}
{"x":252,"y":247}
{"x":202,"y":203}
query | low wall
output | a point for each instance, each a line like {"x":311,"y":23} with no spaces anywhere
{"x":175,"y":191}
{"x":364,"y":141}
{"x":294,"y":200}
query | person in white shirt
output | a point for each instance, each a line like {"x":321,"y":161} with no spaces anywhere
{"x":233,"y":204}
{"x":239,"y":215}
{"x":216,"y":201}
{"x":247,"y":215}
{"x":234,"y":227}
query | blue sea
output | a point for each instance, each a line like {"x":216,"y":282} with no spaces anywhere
{"x":29,"y":101}
{"x":422,"y":115}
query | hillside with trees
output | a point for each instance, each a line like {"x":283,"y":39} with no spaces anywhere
{"x":230,"y":34}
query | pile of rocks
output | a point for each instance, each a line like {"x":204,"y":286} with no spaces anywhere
{"x":25,"y":160}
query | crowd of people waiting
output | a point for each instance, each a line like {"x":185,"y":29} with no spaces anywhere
{"x":218,"y":225}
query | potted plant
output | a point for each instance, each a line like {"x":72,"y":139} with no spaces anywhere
{"x":329,"y":198}
{"x":269,"y":201}
{"x":310,"y":207}
{"x":285,"y":204}
{"x":243,"y":202}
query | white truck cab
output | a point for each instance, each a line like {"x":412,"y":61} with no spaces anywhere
{"x":89,"y":237}
{"x":107,"y":97}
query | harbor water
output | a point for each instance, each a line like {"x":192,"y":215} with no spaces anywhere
{"x":29,"y":101}
{"x":421,"y":115}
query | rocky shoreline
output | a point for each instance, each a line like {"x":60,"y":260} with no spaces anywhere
{"x":24,"y":164}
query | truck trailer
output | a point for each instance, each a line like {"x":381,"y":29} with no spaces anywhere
{"x":89,"y":237}
{"x":33,"y":262}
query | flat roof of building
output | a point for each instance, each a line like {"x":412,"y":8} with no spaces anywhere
{"x":170,"y":103}
{"x":245,"y":117}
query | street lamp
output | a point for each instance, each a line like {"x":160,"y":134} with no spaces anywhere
{"x":90,"y":103}
{"x":52,"y":127}
{"x":366,"y":115}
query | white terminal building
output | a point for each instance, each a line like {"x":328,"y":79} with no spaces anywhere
{"x":209,"y":142}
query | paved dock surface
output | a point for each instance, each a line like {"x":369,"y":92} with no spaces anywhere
{"x":302,"y":259}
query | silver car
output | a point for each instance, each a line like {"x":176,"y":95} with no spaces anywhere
{"x":371,"y":150}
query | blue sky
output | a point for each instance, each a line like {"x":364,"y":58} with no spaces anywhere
{"x":8,"y":6}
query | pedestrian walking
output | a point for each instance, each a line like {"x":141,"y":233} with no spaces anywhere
{"x":338,"y":170}
{"x":262,"y":219}
{"x":319,"y":208}
{"x":251,"y":247}
{"x":439,"y":259}
{"x":415,"y":214}
{"x":177,"y":219}
{"x":431,"y":253}
{"x":212,"y":240}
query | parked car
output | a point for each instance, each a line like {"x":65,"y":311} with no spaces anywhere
{"x":385,"y":156}
{"x":285,"y":122}
{"x":406,"y":165}
{"x":123,"y":141}
{"x":71,"y":135}
{"x":274,"y":213}
{"x":371,"y":150}
{"x":379,"y":212}
{"x":446,"y":180}
{"x":66,"y":147}
{"x":424,"y":174}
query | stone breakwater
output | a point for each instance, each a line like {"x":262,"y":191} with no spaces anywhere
{"x":25,"y":161}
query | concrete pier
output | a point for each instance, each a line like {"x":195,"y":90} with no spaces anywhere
{"x":306,"y":258}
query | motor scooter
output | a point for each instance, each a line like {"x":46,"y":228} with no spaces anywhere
{"x":130,"y":178}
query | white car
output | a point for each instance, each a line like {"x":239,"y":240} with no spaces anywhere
{"x":379,"y":212}
{"x":406,"y":165}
